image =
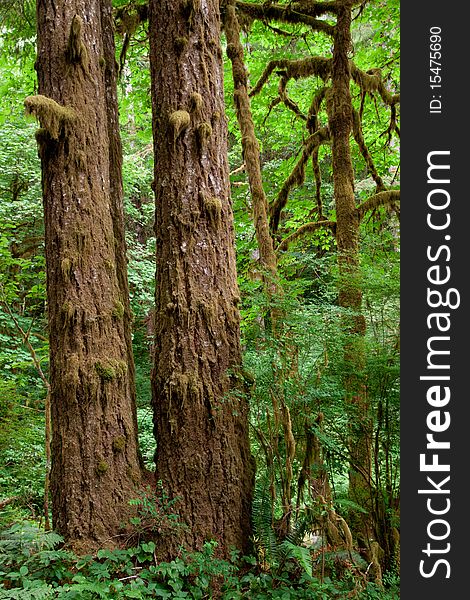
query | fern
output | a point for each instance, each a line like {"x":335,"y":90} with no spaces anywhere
{"x":37,"y":590}
{"x":26,"y":538}
{"x":265,"y":535}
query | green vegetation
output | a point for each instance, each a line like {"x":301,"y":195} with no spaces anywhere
{"x":300,"y":425}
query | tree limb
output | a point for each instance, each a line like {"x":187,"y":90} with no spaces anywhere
{"x":303,"y":230}
{"x":385,"y":198}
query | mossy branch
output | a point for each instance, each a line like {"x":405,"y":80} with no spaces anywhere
{"x":291,"y":13}
{"x":250,"y":144}
{"x":304,"y":230}
{"x":297,"y":176}
{"x":289,"y":103}
{"x":385,"y":198}
{"x":359,"y":138}
{"x":51,"y":115}
{"x":295,"y":69}
{"x":371,"y":82}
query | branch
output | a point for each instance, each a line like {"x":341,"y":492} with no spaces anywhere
{"x":295,"y":69}
{"x":25,"y":335}
{"x":371,"y":81}
{"x":297,"y":175}
{"x":386,"y":198}
{"x":289,"y":14}
{"x":359,"y":137}
{"x":303,"y":230}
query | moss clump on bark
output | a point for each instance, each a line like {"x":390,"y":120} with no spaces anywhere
{"x":213,"y":207}
{"x":69,"y":311}
{"x":66,"y":267}
{"x":52,"y":116}
{"x":119,"y":443}
{"x":76,"y":53}
{"x":195,"y":102}
{"x":102,"y":467}
{"x":111,"y":369}
{"x":204,"y":132}
{"x":179,"y":121}
{"x":181,"y":44}
{"x":118,"y":310}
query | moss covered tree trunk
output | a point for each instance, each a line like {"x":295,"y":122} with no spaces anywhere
{"x":203,"y":455}
{"x":340,"y":111}
{"x":95,"y":463}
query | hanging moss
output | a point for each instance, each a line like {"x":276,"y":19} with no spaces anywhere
{"x":66,"y":267}
{"x":213,"y":208}
{"x":195,"y":102}
{"x":184,"y":385}
{"x":191,"y":7}
{"x":204,"y":132}
{"x":69,"y":311}
{"x":76,"y":53}
{"x":52,"y":116}
{"x":43,"y":140}
{"x":179,"y":121}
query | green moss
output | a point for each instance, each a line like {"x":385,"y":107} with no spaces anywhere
{"x":69,"y":310}
{"x":106,"y":372}
{"x":195,"y":102}
{"x":179,"y":121}
{"x":118,"y":310}
{"x":213,"y":207}
{"x":102,"y":467}
{"x":204,"y":132}
{"x":66,"y":267}
{"x":76,"y":53}
{"x":52,"y":116}
{"x":111,"y":369}
{"x":181,"y":44}
{"x":119,"y":443}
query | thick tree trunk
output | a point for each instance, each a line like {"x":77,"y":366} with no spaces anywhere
{"x":95,"y":463}
{"x":203,"y":454}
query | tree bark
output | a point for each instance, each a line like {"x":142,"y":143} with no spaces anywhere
{"x":203,"y":455}
{"x":95,"y":465}
{"x":340,"y":114}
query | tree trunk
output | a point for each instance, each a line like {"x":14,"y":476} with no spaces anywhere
{"x":203,"y":456}
{"x":95,"y":465}
{"x":339,"y":106}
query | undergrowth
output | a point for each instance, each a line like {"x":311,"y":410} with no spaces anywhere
{"x":35,"y":565}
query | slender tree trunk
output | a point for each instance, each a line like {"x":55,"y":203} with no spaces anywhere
{"x":116,"y":189}
{"x":339,"y":106}
{"x":95,"y":463}
{"x":203,"y":456}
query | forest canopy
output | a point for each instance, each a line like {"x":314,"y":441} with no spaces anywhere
{"x":199,"y":299}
